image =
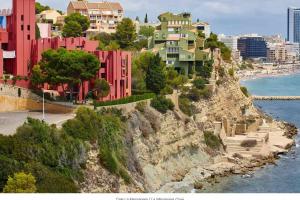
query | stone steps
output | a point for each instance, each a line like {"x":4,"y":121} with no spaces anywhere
{"x":234,"y":146}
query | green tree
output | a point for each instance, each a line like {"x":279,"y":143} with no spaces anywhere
{"x":67,"y":67}
{"x":101,"y":88}
{"x":72,"y":29}
{"x":104,"y":40}
{"x":146,"y":19}
{"x":126,"y":34}
{"x":206,"y":70}
{"x":113,"y":45}
{"x":155,"y":75}
{"x":40,"y":8}
{"x":20,"y":183}
{"x":80,"y":19}
{"x":147,"y":31}
{"x":37,"y":76}
{"x":212,"y":42}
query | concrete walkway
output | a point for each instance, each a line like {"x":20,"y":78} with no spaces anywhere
{"x":10,"y":121}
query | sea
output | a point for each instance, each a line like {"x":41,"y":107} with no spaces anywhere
{"x":284,"y":177}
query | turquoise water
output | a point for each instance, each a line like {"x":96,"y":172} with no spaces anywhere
{"x":285,"y":176}
{"x":275,"y":86}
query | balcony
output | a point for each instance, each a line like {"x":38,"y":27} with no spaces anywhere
{"x":9,"y":54}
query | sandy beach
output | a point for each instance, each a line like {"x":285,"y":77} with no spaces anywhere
{"x":263,"y":72}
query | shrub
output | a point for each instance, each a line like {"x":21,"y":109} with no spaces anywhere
{"x":84,"y":126}
{"x":194,"y":94}
{"x":20,"y":183}
{"x":167,"y":90}
{"x":245,"y":91}
{"x":48,"y":181}
{"x":130,"y":99}
{"x":199,"y":83}
{"x":249,"y":143}
{"x":205,"y":93}
{"x":112,"y":150}
{"x":57,"y":153}
{"x":141,"y":106}
{"x":211,"y":140}
{"x":186,"y":106}
{"x":231,"y":72}
{"x":162,"y":104}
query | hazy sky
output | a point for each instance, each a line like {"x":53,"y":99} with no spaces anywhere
{"x":225,"y":16}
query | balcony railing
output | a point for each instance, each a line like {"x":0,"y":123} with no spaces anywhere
{"x":9,"y":54}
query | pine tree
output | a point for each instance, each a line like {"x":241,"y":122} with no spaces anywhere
{"x":146,"y":19}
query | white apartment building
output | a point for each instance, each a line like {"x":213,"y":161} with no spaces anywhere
{"x":104,"y":16}
{"x":204,"y":27}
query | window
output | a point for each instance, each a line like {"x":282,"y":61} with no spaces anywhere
{"x":28,"y":37}
{"x":103,"y":65}
{"x":28,"y":27}
{"x":22,"y":17}
{"x":22,"y":27}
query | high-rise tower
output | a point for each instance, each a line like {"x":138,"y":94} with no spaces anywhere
{"x":293,"y":25}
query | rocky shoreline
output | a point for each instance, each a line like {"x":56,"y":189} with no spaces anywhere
{"x":245,"y":167}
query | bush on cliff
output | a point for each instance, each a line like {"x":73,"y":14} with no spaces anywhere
{"x":162,"y":104}
{"x":211,"y":140}
{"x":105,"y":127}
{"x":245,"y":91}
{"x":36,"y":142}
{"x":186,"y":106}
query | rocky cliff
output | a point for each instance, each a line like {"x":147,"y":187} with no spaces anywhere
{"x":168,"y":153}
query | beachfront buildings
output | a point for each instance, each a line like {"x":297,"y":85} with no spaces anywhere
{"x":252,"y":47}
{"x":177,"y":42}
{"x":276,"y":53}
{"x":104,"y":16}
{"x":293,"y":24}
{"x":20,"y":51}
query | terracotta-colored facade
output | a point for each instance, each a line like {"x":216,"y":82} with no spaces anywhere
{"x":20,"y":51}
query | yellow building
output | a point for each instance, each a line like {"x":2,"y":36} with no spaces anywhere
{"x":48,"y":16}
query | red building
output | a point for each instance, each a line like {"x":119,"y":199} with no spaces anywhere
{"x":20,"y":51}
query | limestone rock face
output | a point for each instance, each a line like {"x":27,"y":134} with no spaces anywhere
{"x":167,"y":153}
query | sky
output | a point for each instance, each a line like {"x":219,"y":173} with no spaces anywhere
{"x":231,"y":17}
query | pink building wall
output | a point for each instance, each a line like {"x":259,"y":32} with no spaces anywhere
{"x":1,"y":62}
{"x":19,"y":36}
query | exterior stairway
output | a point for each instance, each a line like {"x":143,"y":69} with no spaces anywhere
{"x":233,"y":145}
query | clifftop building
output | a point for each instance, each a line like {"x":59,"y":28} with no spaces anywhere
{"x":293,"y":25}
{"x":177,"y":42}
{"x":20,"y":51}
{"x":104,"y":16}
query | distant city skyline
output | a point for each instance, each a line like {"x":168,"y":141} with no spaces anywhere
{"x":230,"y":17}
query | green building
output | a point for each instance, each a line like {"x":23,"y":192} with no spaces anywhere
{"x":177,"y":42}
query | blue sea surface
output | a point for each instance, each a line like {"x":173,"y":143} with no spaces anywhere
{"x":285,"y":176}
{"x":275,"y":86}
